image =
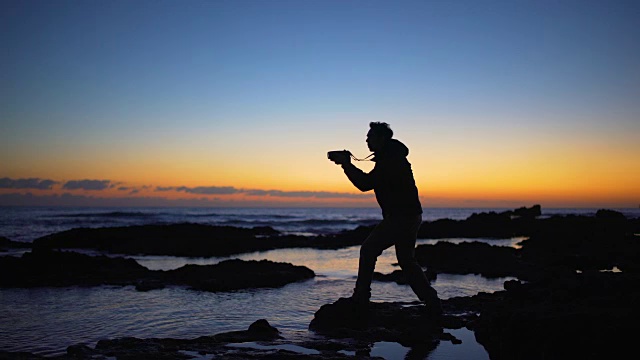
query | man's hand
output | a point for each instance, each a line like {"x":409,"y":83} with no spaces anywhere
{"x":342,"y":161}
{"x":341,"y":158}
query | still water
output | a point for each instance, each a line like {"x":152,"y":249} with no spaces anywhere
{"x":47,"y":320}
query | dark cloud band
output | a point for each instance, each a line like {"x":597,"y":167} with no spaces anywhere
{"x":31,"y":183}
{"x":227,"y":190}
{"x":87,"y":185}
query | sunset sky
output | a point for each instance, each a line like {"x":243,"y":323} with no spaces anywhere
{"x":235,"y":103}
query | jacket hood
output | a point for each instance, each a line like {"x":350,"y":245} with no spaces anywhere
{"x":392,"y":149}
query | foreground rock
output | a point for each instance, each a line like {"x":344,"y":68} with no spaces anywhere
{"x":55,"y":268}
{"x":395,"y":322}
{"x":564,"y":316}
{"x":219,"y":346}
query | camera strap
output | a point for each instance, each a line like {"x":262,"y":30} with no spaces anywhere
{"x":365,"y":159}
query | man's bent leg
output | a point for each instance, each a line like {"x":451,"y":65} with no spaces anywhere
{"x":379,"y":240}
{"x":407,"y":230}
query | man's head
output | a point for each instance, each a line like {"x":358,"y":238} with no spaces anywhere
{"x":378,"y":135}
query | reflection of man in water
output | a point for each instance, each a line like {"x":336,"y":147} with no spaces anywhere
{"x":392,"y":181}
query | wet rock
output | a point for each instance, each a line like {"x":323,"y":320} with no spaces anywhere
{"x":472,"y":258}
{"x":174,"y":239}
{"x":192,"y":240}
{"x":260,"y":330}
{"x":399,"y":278}
{"x":215,"y":346}
{"x":6,"y":244}
{"x":395,"y":322}
{"x":585,"y":316}
{"x":525,"y":212}
{"x":506,"y":224}
{"x":201,"y":240}
{"x":55,"y":268}
{"x":238,"y":274}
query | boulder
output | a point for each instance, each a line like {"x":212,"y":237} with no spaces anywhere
{"x":395,"y":322}
{"x":579,"y":316}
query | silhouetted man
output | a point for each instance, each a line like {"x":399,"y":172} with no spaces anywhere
{"x":392,"y":181}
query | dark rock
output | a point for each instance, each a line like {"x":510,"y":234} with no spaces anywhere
{"x":395,"y":322}
{"x":506,"y":224}
{"x":610,"y":214}
{"x":55,"y":268}
{"x":150,"y":284}
{"x":583,"y":243}
{"x":532,"y":212}
{"x":175,"y":239}
{"x":472,"y":258}
{"x":238,"y":274}
{"x":260,"y":330}
{"x":192,"y":240}
{"x":398,"y":277}
{"x":579,"y":316}
{"x":6,"y":244}
{"x":262,"y":326}
{"x":80,"y":351}
{"x":211,"y":346}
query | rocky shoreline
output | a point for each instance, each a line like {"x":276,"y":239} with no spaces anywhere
{"x":198,"y":240}
{"x":64,"y":268}
{"x":576,"y":295}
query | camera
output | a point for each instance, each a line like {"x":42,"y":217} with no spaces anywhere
{"x":339,"y":155}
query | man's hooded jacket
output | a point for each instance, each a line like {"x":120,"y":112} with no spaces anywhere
{"x":391,"y":179}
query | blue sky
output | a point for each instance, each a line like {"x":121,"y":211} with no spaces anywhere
{"x":130,"y":82}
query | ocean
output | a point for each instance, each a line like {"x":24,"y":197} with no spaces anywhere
{"x":29,"y":223}
{"x":46,"y":321}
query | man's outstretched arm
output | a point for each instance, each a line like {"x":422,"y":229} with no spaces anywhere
{"x":362,"y":180}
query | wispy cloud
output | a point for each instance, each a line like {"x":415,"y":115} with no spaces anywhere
{"x":98,"y":185}
{"x":87,"y":184}
{"x":209,"y":190}
{"x":131,"y":190}
{"x":306,"y":194}
{"x":30,"y":183}
{"x":202,"y":190}
{"x":165,"y":188}
{"x":226,"y":190}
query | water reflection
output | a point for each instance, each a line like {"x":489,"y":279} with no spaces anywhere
{"x":511,"y":242}
{"x":86,"y":315}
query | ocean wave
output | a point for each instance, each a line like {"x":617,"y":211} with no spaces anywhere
{"x":243,"y":216}
{"x":337,"y":221}
{"x":115,"y":214}
{"x":300,"y":223}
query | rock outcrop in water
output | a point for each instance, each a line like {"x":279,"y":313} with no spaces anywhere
{"x":206,"y":240}
{"x":194,"y":240}
{"x":55,"y":268}
{"x":407,"y":325}
{"x":6,"y":244}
